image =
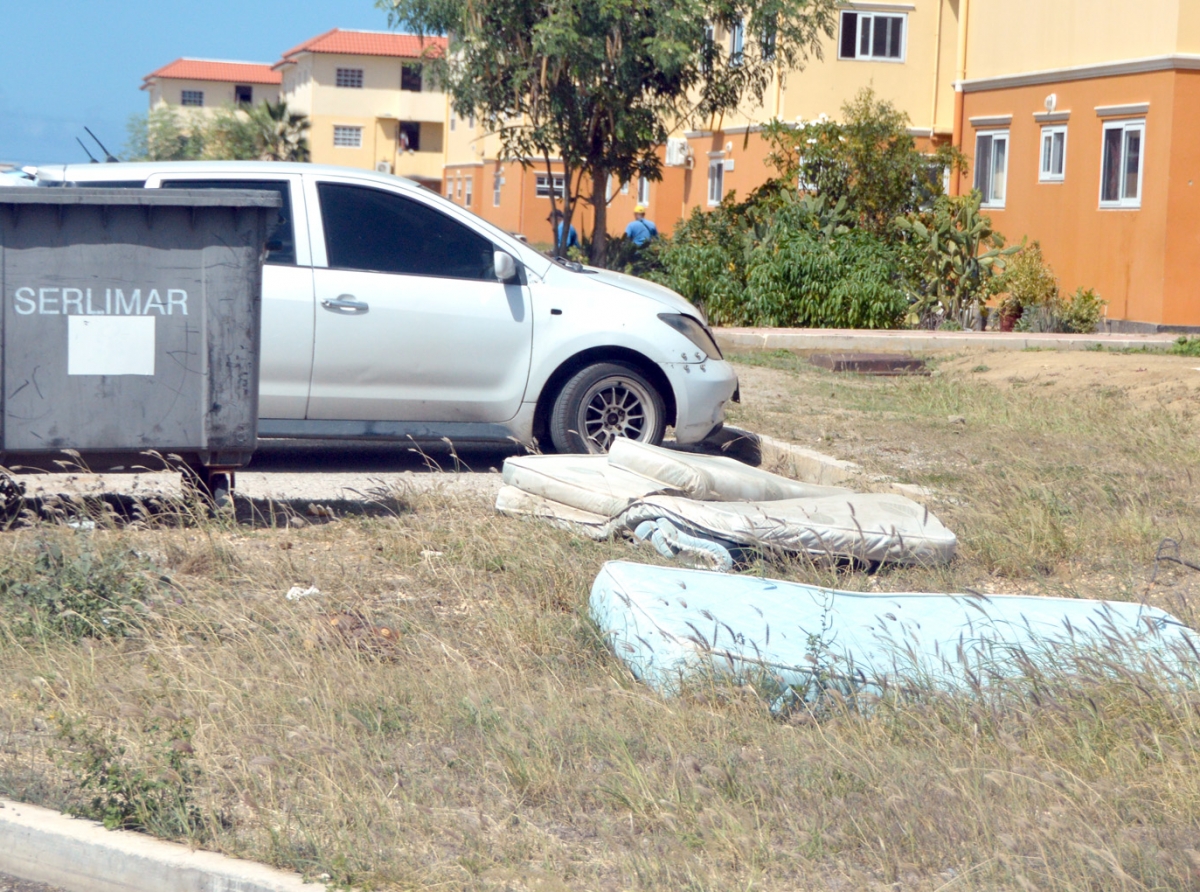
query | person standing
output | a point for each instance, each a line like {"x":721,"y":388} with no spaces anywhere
{"x":556,"y":220}
{"x":640,"y":230}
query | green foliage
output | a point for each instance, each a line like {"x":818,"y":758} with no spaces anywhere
{"x":265,"y":132}
{"x":153,"y":794}
{"x":75,"y":592}
{"x":1079,"y":313}
{"x":784,"y":260}
{"x":869,"y":159}
{"x":801,"y":278}
{"x":1186,"y":346}
{"x":600,"y":83}
{"x":1027,"y":281}
{"x":953,"y":258}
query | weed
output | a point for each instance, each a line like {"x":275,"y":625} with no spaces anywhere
{"x":153,"y":794}
{"x":74,"y":589}
{"x":1186,"y":346}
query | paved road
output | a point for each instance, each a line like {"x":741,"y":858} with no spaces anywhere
{"x":321,"y":471}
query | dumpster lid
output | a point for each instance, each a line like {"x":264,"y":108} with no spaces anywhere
{"x":190,"y":198}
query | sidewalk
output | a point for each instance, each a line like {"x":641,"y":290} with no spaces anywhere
{"x":907,"y":341}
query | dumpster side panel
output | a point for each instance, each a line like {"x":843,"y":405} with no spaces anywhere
{"x":129,"y":328}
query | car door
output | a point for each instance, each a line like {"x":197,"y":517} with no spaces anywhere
{"x":285,"y":357}
{"x":412,"y":324}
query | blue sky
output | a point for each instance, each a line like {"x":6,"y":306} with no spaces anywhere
{"x":67,"y":63}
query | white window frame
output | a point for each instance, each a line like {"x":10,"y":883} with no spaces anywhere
{"x":184,"y":95}
{"x":497,"y":186}
{"x":643,"y":193}
{"x":1046,"y":172}
{"x":468,"y":191}
{"x":541,"y":187}
{"x":348,"y":78}
{"x":1125,"y":126}
{"x":865,"y":21}
{"x":737,"y":44}
{"x":716,"y":184}
{"x":991,"y":201}
{"x":347,"y":136}
{"x":450,"y":188}
{"x":458,"y":188}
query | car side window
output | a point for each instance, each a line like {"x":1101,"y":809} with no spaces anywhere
{"x":283,"y":251}
{"x":368,"y":229}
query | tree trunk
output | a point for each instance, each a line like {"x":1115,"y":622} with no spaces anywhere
{"x":600,"y":222}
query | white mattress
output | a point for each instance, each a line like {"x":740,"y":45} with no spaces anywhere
{"x":720,"y":500}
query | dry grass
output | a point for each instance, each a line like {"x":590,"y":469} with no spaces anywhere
{"x":461,"y":726}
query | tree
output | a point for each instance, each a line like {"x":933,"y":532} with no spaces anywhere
{"x":282,"y":135}
{"x":599,"y":84}
{"x":266,"y":132}
{"x":869,"y":159}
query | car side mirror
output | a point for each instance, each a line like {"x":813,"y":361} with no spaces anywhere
{"x":506,"y":267}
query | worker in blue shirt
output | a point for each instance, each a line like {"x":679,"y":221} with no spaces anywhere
{"x":640,"y":230}
{"x":556,"y":220}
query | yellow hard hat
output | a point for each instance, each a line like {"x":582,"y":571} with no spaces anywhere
{"x":640,"y":209}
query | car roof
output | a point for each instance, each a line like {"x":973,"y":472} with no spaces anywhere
{"x":142,"y":170}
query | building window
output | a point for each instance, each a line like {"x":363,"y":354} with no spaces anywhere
{"x":1054,"y":155}
{"x":1121,"y":170}
{"x":410,"y":78}
{"x":991,"y":167}
{"x":458,"y":187}
{"x":470,"y":122}
{"x":497,"y":183}
{"x":872,"y":35}
{"x":347,"y":137}
{"x":409,"y":136}
{"x":716,"y":180}
{"x":737,"y":44}
{"x":453,"y":121}
{"x":542,"y":185}
{"x":625,"y":188}
{"x":469,"y":192}
{"x":450,"y":188}
{"x":643,"y":196}
{"x":767,"y":38}
{"x":350,"y":77}
{"x":192,"y":97}
{"x":243,"y":94}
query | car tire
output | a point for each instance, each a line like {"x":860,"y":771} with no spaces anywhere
{"x":604,"y":401}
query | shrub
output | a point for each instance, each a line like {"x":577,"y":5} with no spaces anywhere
{"x":77,"y":591}
{"x":785,"y":260}
{"x":801,"y":278}
{"x":1185,"y":346}
{"x":1028,"y":281}
{"x":1080,"y":313}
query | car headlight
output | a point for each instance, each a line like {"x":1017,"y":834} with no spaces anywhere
{"x":694,"y":331}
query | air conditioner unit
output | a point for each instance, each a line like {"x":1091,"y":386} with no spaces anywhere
{"x":383,"y":167}
{"x":677,"y":152}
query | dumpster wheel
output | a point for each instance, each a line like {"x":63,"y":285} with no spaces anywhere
{"x":214,"y":485}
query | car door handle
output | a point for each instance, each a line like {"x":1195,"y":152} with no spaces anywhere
{"x":345,"y":302}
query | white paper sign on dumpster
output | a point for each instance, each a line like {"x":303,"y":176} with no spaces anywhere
{"x":110,"y":345}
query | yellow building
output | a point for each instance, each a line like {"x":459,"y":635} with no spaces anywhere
{"x":211,"y":84}
{"x":369,"y":102}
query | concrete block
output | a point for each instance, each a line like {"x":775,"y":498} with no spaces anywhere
{"x":81,"y":856}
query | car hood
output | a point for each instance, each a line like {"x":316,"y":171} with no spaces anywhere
{"x":646,"y":288}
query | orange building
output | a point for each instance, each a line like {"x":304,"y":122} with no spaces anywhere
{"x":1085,"y":134}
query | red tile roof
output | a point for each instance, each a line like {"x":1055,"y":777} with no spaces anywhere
{"x":215,"y":70}
{"x":368,"y":43}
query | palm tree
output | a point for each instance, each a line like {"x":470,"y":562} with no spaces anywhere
{"x":281,"y":134}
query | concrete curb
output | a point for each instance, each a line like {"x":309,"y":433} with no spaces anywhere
{"x":44,"y":846}
{"x":924,"y":341}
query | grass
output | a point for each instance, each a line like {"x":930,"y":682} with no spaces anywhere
{"x":444,"y":714}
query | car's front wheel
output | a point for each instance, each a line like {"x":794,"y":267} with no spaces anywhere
{"x":602,"y":402}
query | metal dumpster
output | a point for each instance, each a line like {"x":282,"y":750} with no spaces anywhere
{"x":131,"y":323}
